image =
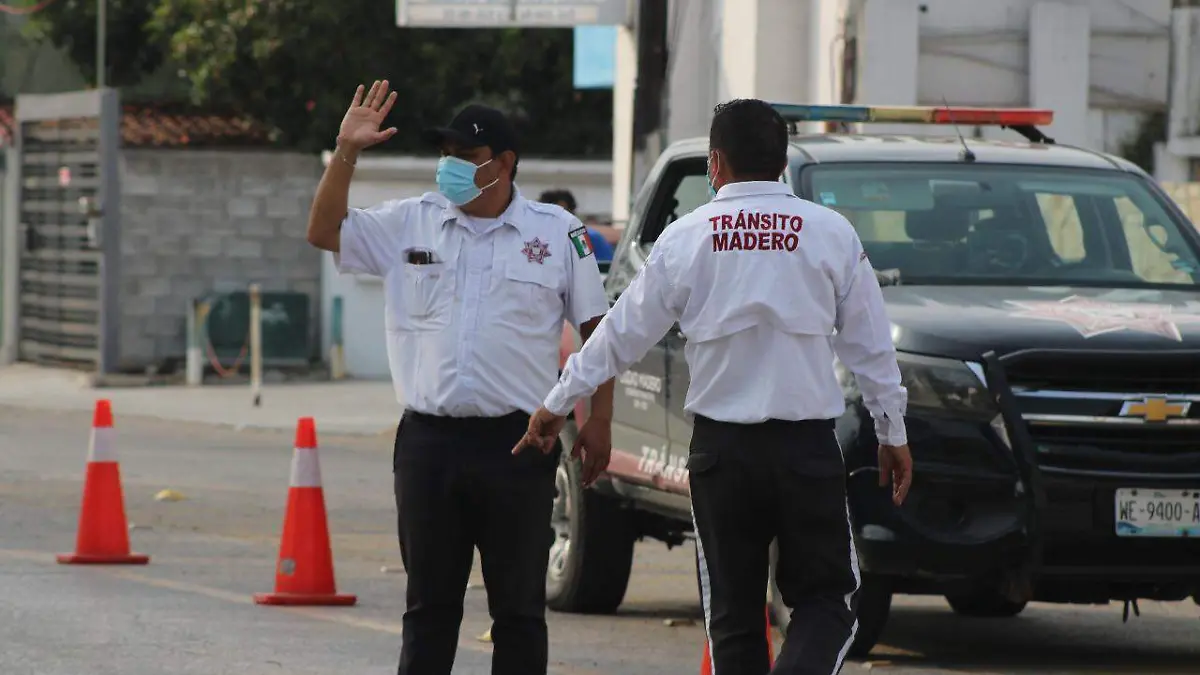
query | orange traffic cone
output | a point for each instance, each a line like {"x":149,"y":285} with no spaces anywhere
{"x":706,"y":663}
{"x":304,"y":573}
{"x":103,"y":537}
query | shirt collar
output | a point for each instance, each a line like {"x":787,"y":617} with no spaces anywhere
{"x":511,"y":215}
{"x":753,"y":188}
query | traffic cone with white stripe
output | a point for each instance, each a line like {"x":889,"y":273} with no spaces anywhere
{"x":706,"y":667}
{"x":304,"y":572}
{"x":103,"y":537}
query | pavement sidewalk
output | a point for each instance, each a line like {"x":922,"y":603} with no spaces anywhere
{"x":353,"y":407}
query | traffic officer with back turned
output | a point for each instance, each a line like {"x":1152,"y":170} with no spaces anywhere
{"x":477,"y":283}
{"x":767,"y":288}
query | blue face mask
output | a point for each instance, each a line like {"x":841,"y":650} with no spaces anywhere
{"x":712,"y":191}
{"x":456,"y":180}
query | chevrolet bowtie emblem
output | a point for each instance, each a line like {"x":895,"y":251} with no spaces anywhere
{"x":1155,"y":409}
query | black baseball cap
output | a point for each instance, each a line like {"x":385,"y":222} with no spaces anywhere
{"x":475,"y":126}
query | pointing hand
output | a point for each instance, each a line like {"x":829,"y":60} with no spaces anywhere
{"x":544,"y":427}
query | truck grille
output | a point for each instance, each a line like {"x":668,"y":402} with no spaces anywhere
{"x":1169,"y":372}
{"x":1111,"y":414}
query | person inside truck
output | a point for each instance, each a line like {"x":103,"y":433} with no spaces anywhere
{"x":767,"y":288}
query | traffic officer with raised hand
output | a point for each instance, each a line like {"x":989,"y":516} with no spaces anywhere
{"x":477,"y":283}
{"x":767,"y":289}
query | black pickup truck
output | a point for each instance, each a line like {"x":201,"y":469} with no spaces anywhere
{"x":1045,"y":308}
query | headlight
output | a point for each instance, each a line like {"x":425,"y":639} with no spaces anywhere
{"x":946,"y":386}
{"x":942,"y":386}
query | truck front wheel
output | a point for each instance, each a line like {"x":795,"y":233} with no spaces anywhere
{"x":592,"y":553}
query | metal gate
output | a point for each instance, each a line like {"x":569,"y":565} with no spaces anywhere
{"x":68,"y":145}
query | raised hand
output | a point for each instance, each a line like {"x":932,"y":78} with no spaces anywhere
{"x":360,"y":126}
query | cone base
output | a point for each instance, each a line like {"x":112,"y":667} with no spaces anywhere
{"x":302,"y":599}
{"x":88,"y":559}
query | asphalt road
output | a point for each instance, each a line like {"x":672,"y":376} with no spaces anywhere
{"x":190,"y":610}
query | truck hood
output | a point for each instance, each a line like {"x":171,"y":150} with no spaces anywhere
{"x":965,"y":322}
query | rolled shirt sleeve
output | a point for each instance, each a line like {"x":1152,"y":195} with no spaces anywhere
{"x":369,"y":242}
{"x":585,"y":297}
{"x":864,"y":345}
{"x":639,"y":319}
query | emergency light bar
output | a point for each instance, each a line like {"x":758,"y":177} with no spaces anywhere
{"x":1007,"y":117}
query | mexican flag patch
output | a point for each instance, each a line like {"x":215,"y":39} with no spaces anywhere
{"x":579,"y":239}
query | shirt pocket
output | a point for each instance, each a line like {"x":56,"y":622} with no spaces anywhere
{"x":531,"y":290}
{"x":420,"y":297}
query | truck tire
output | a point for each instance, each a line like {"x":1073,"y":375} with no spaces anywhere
{"x":592,"y":553}
{"x":874,"y":607}
{"x":984,"y":603}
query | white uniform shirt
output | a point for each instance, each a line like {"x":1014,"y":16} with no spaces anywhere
{"x":767,"y":288}
{"x":477,"y":331}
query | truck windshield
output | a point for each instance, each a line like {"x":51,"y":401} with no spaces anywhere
{"x":1012,"y":225}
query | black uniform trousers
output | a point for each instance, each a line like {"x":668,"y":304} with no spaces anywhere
{"x":458,"y":488}
{"x":754,"y":483}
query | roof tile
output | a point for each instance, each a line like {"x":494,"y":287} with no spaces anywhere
{"x":146,"y":126}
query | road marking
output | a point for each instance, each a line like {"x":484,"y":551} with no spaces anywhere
{"x":391,"y":628}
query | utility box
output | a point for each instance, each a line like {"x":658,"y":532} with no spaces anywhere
{"x":286,"y":328}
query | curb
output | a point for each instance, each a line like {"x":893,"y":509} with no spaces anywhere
{"x":327,"y":428}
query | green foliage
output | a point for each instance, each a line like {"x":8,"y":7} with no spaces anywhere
{"x":295,"y":64}
{"x":71,"y":25}
{"x":1139,"y":148}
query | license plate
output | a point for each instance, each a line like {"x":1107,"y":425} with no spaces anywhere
{"x":1158,"y":513}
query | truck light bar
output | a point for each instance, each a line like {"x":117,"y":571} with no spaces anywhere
{"x":1007,"y":117}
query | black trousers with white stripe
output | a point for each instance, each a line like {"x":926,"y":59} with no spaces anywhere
{"x":754,"y":483}
{"x":459,"y":488}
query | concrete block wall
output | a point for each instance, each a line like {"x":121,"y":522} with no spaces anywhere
{"x":200,"y":221}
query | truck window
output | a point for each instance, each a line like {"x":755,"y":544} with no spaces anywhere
{"x":1062,"y":222}
{"x":682,"y":189}
{"x":1009,"y":225}
{"x":1151,"y":260}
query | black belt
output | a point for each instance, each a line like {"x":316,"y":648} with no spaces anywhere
{"x":476,"y":422}
{"x":771,"y":423}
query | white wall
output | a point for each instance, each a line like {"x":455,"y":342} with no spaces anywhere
{"x":623,"y":168}
{"x":1184,"y":118}
{"x":1100,"y":64}
{"x":779,"y":50}
{"x":691,"y":58}
{"x":379,"y":179}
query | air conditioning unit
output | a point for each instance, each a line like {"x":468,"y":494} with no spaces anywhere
{"x":287,"y":331}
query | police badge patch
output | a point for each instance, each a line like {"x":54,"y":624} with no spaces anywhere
{"x":536,"y":251}
{"x":579,"y":239}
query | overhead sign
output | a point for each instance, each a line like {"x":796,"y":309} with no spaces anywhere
{"x":512,"y":13}
{"x":595,"y":56}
